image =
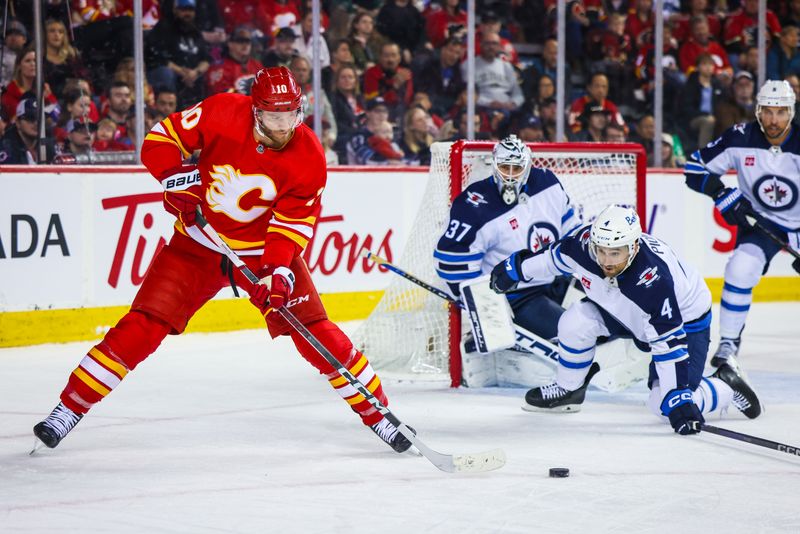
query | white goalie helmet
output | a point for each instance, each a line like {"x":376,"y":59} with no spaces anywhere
{"x":511,"y":151}
{"x":616,"y":226}
{"x":775,"y":93}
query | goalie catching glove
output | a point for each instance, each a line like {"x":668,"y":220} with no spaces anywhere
{"x":507,"y":274}
{"x":274,"y":288}
{"x":182,"y":192}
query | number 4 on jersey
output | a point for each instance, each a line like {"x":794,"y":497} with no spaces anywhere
{"x":666,"y":309}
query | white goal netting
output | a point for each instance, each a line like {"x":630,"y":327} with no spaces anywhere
{"x":412,"y":332}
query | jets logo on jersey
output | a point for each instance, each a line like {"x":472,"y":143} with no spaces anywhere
{"x":738,"y":128}
{"x":476,"y":199}
{"x":775,"y":193}
{"x":648,"y":277}
{"x":541,"y":235}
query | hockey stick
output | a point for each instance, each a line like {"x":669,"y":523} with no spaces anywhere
{"x":761,"y":442}
{"x":756,"y":223}
{"x":483,"y":461}
{"x":535,"y":344}
{"x":616,"y":376}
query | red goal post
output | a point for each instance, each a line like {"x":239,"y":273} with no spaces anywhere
{"x":415,"y":335}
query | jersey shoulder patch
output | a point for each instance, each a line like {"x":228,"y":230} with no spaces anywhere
{"x":541,"y":179}
{"x":480,"y":201}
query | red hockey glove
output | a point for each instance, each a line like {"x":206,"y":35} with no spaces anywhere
{"x":274,"y":289}
{"x":182,"y":192}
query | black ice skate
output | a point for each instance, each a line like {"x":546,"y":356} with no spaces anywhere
{"x":554,"y":398}
{"x":727,"y":349}
{"x":56,"y":426}
{"x":744,"y":398}
{"x":391,"y":435}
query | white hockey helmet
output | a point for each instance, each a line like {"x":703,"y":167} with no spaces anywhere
{"x":511,"y":151}
{"x":775,"y":93}
{"x":615,"y":227}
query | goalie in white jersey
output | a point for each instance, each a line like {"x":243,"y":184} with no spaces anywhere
{"x":635,"y":286}
{"x":519,"y":206}
{"x":765,"y":154}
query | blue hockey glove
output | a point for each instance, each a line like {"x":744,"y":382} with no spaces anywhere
{"x":682,"y":411}
{"x":507,"y":274}
{"x":796,"y":265}
{"x":733,"y":206}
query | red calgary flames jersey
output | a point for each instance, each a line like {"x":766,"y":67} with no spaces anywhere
{"x":255,"y":197}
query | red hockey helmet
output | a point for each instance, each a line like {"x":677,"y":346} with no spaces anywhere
{"x":275,"y":89}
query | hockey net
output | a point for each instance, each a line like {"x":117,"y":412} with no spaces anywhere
{"x":413,"y":334}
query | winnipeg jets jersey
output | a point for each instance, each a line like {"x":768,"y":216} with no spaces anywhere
{"x":652,"y":298}
{"x":483,"y":230}
{"x":769,"y":177}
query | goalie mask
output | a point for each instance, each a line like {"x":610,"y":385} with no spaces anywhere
{"x":277,"y":103}
{"x":511,"y":164}
{"x":615,"y":231}
{"x":775,"y":94}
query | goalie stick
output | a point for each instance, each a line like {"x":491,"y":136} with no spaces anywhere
{"x":450,"y":463}
{"x":616,"y":375}
{"x":761,"y":442}
{"x":535,"y":344}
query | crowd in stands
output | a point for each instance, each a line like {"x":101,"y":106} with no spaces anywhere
{"x":393,"y":71}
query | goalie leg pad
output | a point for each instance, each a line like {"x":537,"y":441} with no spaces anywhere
{"x":353,"y":360}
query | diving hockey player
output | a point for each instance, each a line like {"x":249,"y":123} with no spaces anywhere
{"x":258,"y":180}
{"x":765,"y":154}
{"x":635,"y":286}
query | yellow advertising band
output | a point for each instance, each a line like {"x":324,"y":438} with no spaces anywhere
{"x":83,"y":324}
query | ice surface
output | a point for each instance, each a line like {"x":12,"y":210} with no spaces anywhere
{"x":236,"y":433}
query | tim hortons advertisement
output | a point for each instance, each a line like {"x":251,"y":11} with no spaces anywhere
{"x":71,"y":239}
{"x":86,"y":237}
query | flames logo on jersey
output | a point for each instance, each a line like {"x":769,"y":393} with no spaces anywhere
{"x":229,"y":186}
{"x":775,"y":193}
{"x":476,"y":199}
{"x":648,"y":277}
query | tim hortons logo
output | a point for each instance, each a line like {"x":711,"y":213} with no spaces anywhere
{"x":127,"y":233}
{"x":329,"y":251}
{"x":587,"y":283}
{"x":749,"y":161}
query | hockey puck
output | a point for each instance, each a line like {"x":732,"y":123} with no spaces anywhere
{"x":559,"y":472}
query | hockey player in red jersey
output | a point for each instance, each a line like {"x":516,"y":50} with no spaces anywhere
{"x":258,"y":181}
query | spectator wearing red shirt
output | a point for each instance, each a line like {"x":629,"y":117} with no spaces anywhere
{"x":697,"y":8}
{"x":390,"y":81}
{"x":702,"y":43}
{"x":237,"y":13}
{"x":741,"y":28}
{"x":22,"y":81}
{"x":283,"y":13}
{"x":238,"y":69}
{"x":440,"y":19}
{"x":640,"y":20}
{"x":597,"y":90}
